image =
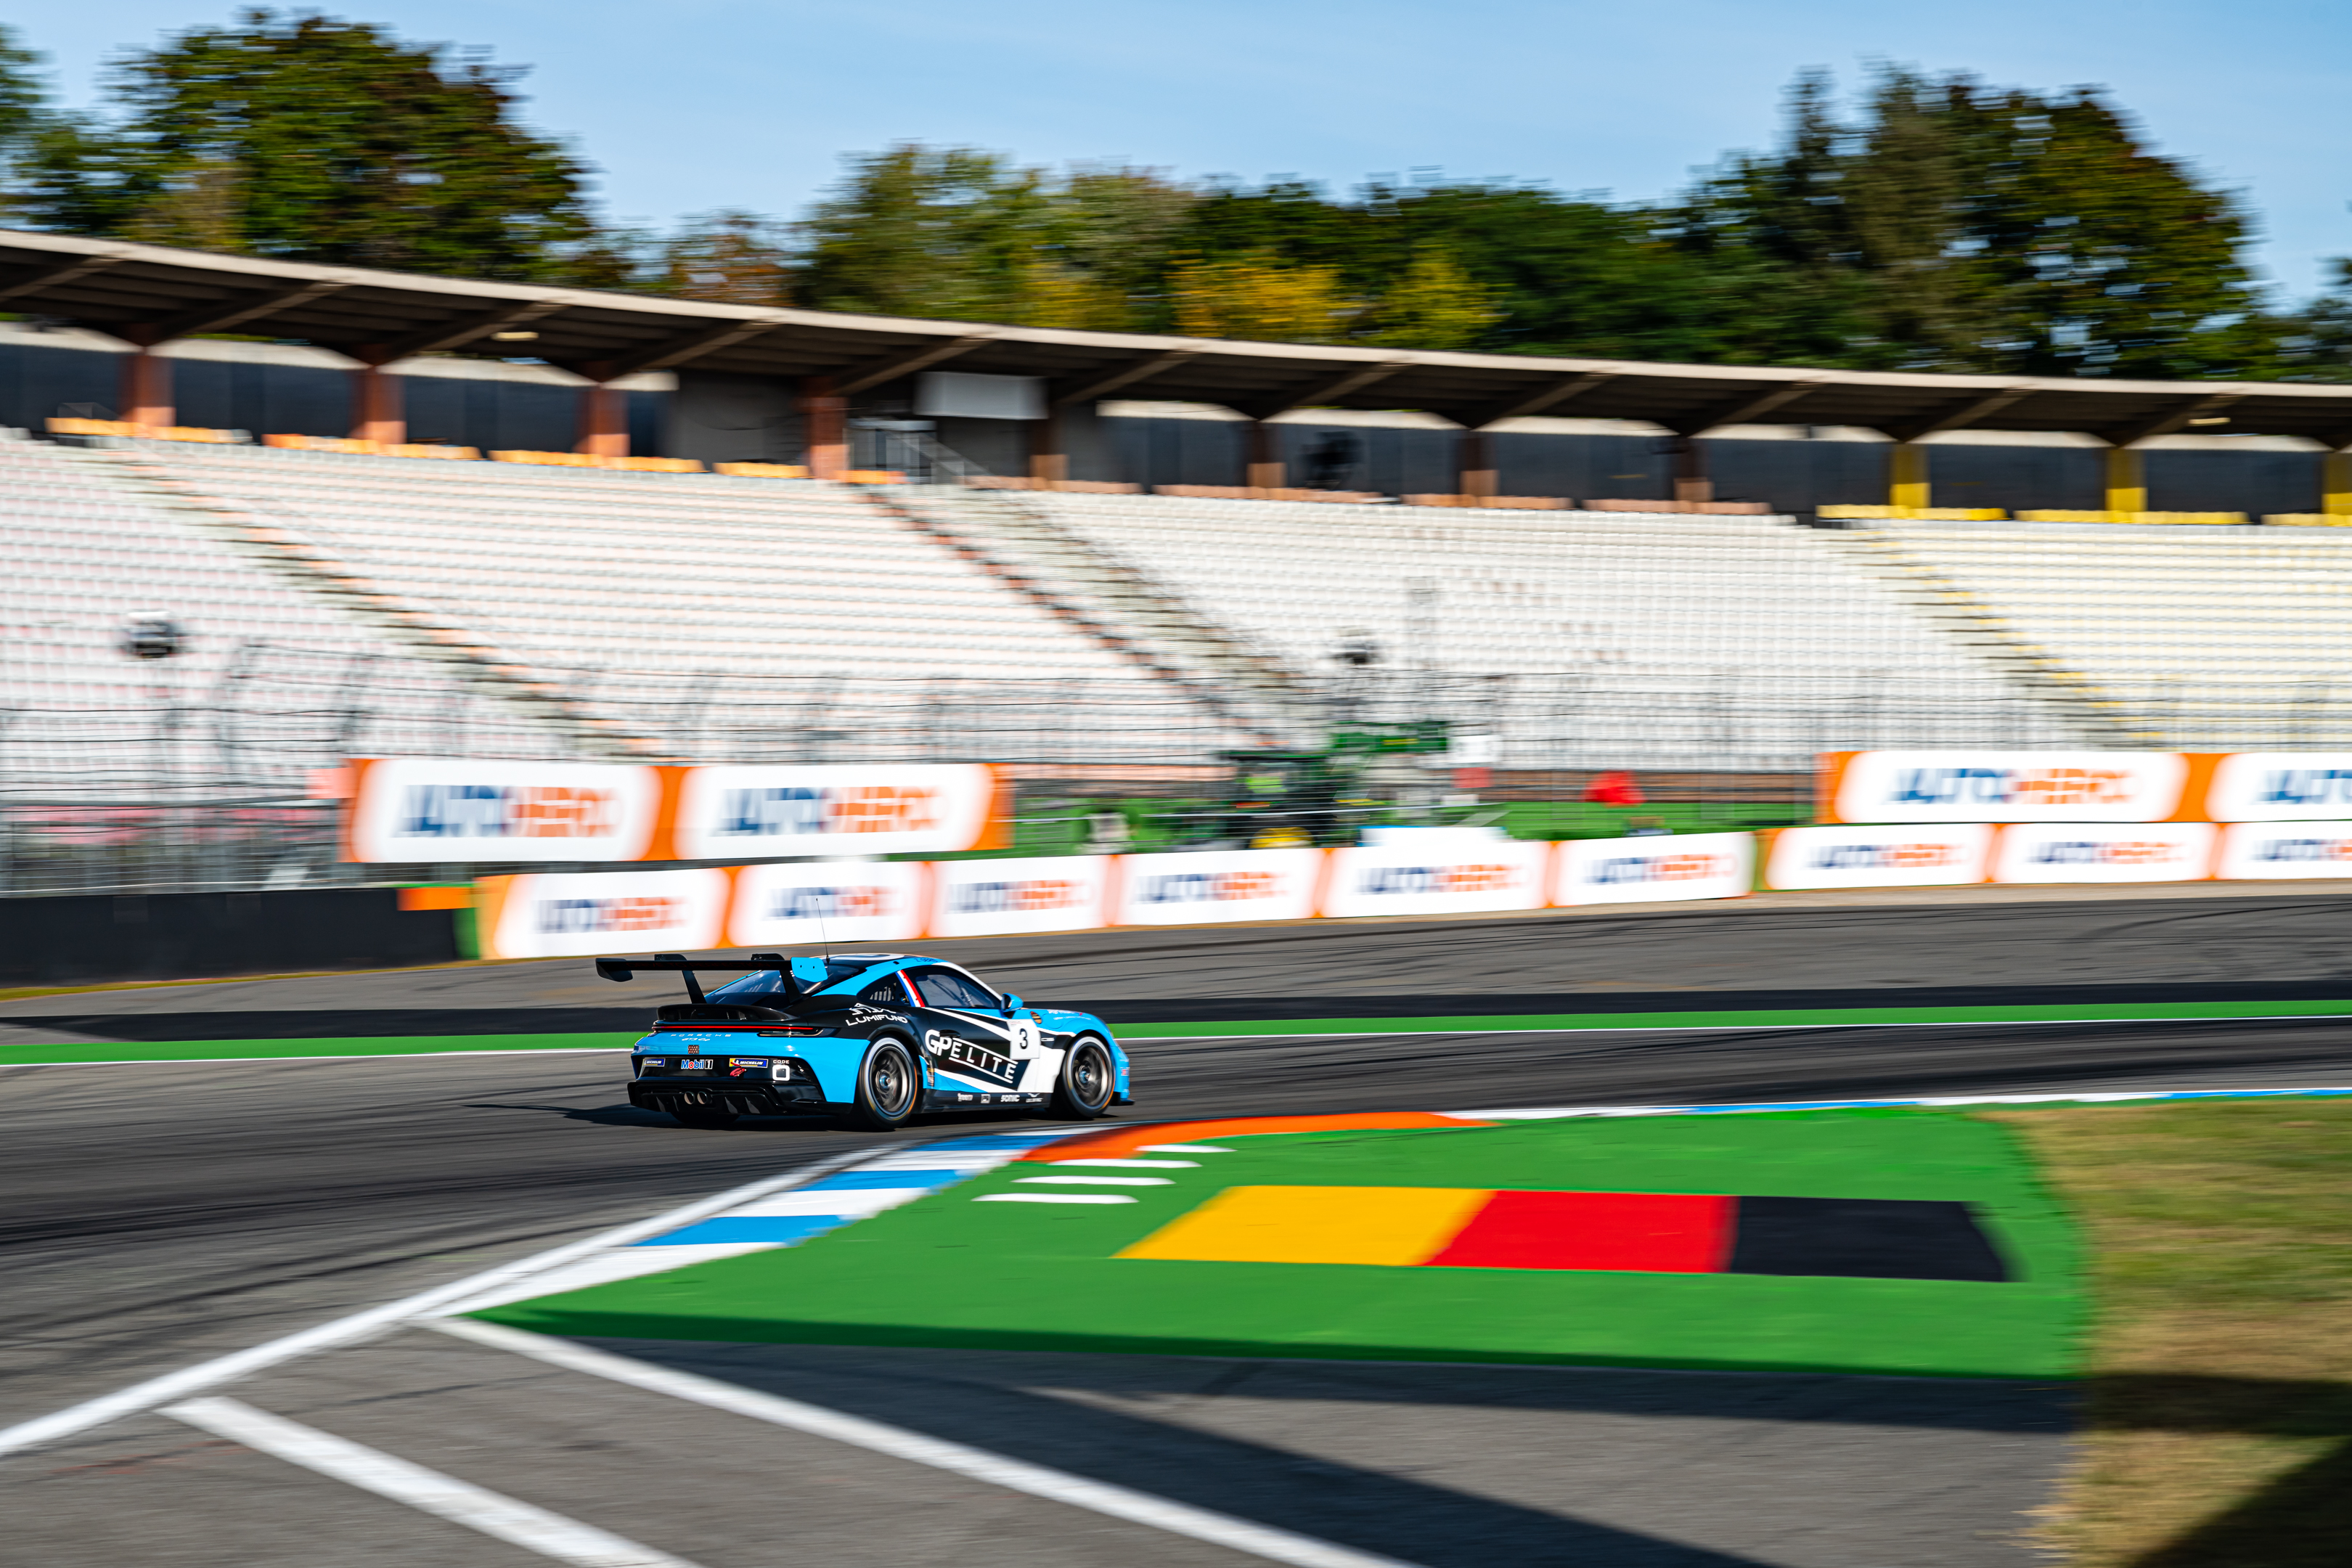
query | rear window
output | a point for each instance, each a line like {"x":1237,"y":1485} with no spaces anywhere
{"x":769,"y":982}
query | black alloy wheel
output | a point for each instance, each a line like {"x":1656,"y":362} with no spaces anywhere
{"x":888,"y":1088}
{"x":1087,"y":1083}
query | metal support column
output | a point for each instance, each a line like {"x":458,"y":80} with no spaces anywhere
{"x":1265,"y":469}
{"x":1474,"y":462}
{"x":824,"y":424}
{"x":2126,"y":479}
{"x":1907,"y":485}
{"x":377,"y":414}
{"x":604,"y":415}
{"x":1691,"y":483}
{"x":146,"y":396}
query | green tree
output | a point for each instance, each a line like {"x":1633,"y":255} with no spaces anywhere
{"x":21,"y":95}
{"x":728,"y":257}
{"x":317,"y":140}
{"x":1962,"y":228}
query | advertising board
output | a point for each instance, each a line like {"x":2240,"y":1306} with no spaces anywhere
{"x":2280,"y":787}
{"x":2282,"y":851}
{"x":756,"y":812}
{"x":1930,"y":856}
{"x":1443,"y":879}
{"x":408,"y":809}
{"x":2103,"y":852}
{"x":1651,"y":870}
{"x":1209,"y":887}
{"x":2002,"y":786}
{"x":828,"y":901}
{"x":1013,"y":897}
{"x":579,"y":914}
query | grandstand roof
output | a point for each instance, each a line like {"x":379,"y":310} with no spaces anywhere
{"x":151,"y":294}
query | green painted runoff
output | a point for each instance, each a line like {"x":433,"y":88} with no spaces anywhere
{"x":946,"y":1270}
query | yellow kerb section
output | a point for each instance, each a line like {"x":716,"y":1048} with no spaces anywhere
{"x":1395,"y":1225}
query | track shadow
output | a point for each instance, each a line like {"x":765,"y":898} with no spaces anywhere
{"x":2302,"y":1520}
{"x":1377,"y":1511}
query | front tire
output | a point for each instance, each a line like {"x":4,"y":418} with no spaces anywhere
{"x":889,"y":1087}
{"x":1088,"y":1083}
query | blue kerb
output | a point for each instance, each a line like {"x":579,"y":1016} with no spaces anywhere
{"x":867,"y":1181}
{"x":775,"y":1230}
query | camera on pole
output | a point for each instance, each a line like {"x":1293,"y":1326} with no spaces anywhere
{"x":151,"y":634}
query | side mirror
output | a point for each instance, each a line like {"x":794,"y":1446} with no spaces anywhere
{"x":1012,"y":1003}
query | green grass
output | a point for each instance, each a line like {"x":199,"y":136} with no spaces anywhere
{"x":946,"y":1270}
{"x":1773,"y":1018}
{"x":2220,"y":1402}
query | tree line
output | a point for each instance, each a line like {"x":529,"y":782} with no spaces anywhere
{"x":1941,"y":224}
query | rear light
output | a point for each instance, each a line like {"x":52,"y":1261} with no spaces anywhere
{"x":792,"y":1029}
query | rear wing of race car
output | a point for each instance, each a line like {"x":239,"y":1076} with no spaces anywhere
{"x":800,"y":973}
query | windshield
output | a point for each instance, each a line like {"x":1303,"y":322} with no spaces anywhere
{"x":768,"y":982}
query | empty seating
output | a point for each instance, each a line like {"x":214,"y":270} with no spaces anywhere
{"x":2226,"y":638}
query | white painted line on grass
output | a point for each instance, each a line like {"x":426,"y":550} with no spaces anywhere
{"x":1051,"y":1198}
{"x":444,"y":1497}
{"x":2084,"y":1097}
{"x":979,"y":1464}
{"x":362,"y":1325}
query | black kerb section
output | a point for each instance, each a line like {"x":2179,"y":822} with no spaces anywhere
{"x":1865,"y":1239}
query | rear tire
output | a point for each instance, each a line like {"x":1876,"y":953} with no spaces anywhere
{"x":1088,"y":1083}
{"x":889,"y":1088}
{"x":704,"y":1116}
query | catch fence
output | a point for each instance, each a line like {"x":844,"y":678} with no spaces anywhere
{"x":228,"y":778}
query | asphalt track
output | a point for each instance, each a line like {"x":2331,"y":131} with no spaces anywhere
{"x":161,"y":1213}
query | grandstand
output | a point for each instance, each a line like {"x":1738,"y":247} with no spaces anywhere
{"x":1581,"y":640}
{"x":2196,"y":638}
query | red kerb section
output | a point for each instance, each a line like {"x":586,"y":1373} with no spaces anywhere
{"x":1648,"y":1233}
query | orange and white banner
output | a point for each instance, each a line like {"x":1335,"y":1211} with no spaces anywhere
{"x":1651,"y":870}
{"x":1014,"y":898}
{"x":2105,"y":852}
{"x":758,"y":811}
{"x":831,"y":902}
{"x":1209,"y":887}
{"x":409,"y":809}
{"x":2281,"y":851}
{"x":580,"y":914}
{"x":2002,"y":786}
{"x":1934,"y":856}
{"x":2280,"y":787}
{"x":1408,"y":879}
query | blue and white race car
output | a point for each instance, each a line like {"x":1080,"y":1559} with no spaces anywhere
{"x":869,"y":1038}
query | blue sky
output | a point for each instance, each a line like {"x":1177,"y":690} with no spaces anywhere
{"x":692,"y":104}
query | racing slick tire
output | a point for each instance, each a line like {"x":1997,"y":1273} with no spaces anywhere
{"x":889,"y":1088}
{"x":1087,"y":1083}
{"x":703,"y":1115}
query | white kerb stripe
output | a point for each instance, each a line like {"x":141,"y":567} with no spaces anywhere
{"x":376,"y":1320}
{"x":1016,"y":1474}
{"x":444,"y":1497}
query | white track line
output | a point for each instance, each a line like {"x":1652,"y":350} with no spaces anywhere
{"x":376,"y":1320}
{"x":444,"y":1497}
{"x":979,"y":1464}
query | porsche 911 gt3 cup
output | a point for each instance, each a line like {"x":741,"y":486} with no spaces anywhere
{"x":869,"y":1038}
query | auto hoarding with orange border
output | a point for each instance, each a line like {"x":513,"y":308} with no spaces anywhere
{"x":447,"y":809}
{"x":830,"y":902}
{"x":2284,"y":851}
{"x":1654,"y":869}
{"x":1942,"y":786}
{"x":1899,"y":854}
{"x":763,"y":811}
{"x":2103,"y":852}
{"x":587,"y":914}
{"x":1211,"y":887}
{"x":1017,"y":897}
{"x":2280,"y":787}
{"x":1438,"y":878}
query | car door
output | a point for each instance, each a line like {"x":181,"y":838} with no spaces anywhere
{"x":966,"y":1034}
